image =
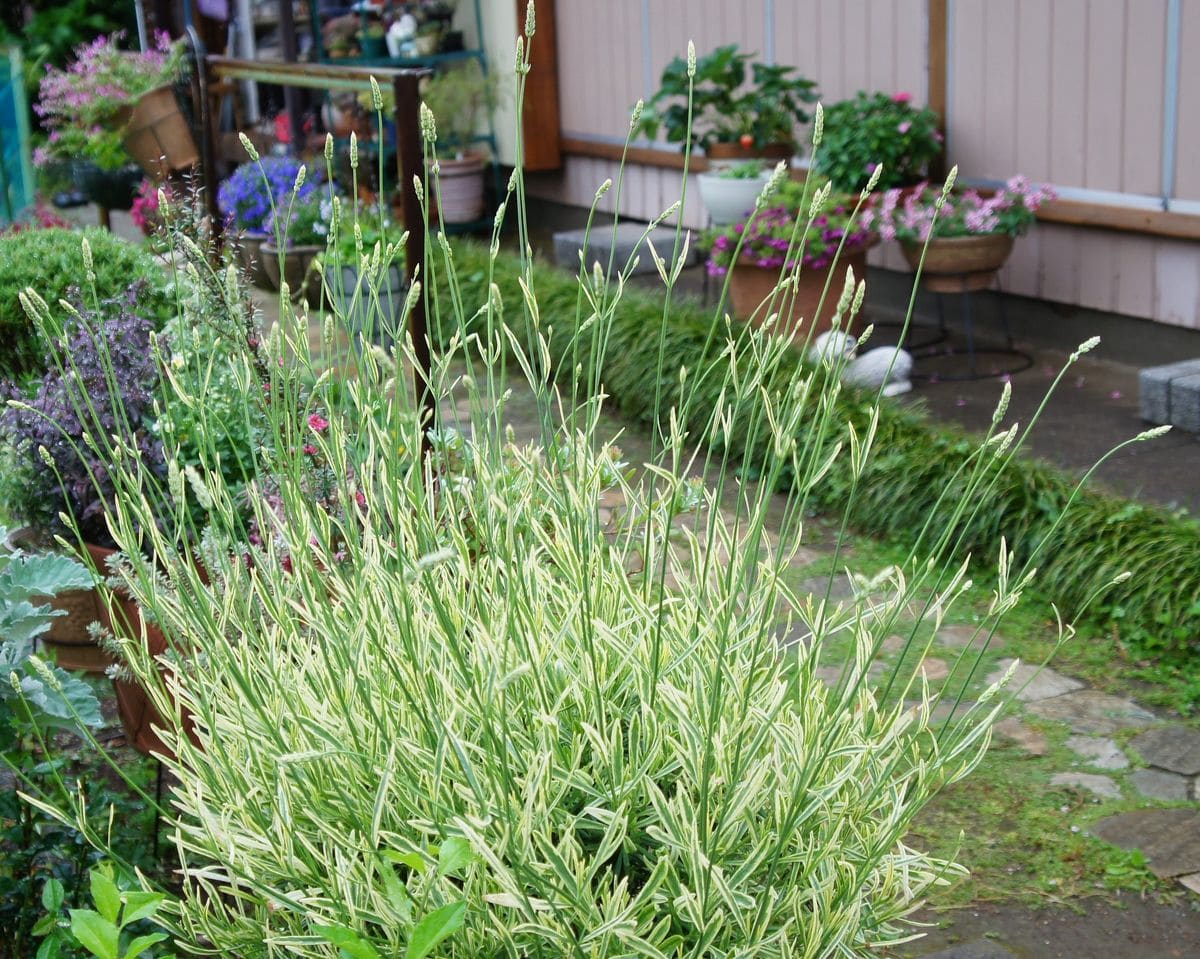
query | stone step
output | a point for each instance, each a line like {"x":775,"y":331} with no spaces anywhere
{"x":629,"y":238}
{"x":1171,"y":394}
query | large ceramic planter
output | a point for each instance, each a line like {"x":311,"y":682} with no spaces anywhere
{"x":251,"y":258}
{"x":460,"y":185}
{"x":157,"y":133}
{"x":355,"y":300}
{"x":139,"y":716}
{"x":959,"y":264}
{"x":296,"y":268}
{"x":750,"y":286}
{"x":727,"y":199}
{"x":111,"y":189}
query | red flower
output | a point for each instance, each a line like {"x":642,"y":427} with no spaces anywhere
{"x":310,"y":450}
{"x":360,"y":499}
{"x":317,"y":423}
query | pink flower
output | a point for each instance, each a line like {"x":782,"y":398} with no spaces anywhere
{"x":901,"y":97}
{"x":360,"y":498}
{"x":310,"y":450}
{"x":317,"y":423}
{"x":903,"y":127}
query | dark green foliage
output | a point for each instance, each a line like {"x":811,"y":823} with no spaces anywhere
{"x":1155,"y":614}
{"x":51,"y":262}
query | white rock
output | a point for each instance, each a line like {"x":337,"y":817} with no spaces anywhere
{"x":884,"y":364}
{"x":831,"y":346}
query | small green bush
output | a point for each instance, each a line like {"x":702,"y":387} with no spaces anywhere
{"x":51,"y":262}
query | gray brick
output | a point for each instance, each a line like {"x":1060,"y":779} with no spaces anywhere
{"x":568,"y":244}
{"x":1185,"y":402}
{"x":1154,"y":387}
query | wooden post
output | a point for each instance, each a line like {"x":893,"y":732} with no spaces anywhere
{"x":541,"y":120}
{"x":291,"y":96}
{"x":937,"y":39}
{"x":407,"y":90}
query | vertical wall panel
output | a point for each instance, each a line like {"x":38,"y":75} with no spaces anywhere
{"x":1187,"y":153}
{"x":1066,"y":91}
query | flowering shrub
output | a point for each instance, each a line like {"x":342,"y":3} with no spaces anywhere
{"x":779,"y":236}
{"x":914,"y":215}
{"x":103,"y":379}
{"x":873,"y":128}
{"x":78,"y":106}
{"x":254,"y":189}
{"x":304,"y":222}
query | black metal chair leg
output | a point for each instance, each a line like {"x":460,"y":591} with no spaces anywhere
{"x":969,"y":329}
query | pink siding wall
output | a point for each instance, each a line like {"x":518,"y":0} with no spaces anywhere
{"x":1069,"y":91}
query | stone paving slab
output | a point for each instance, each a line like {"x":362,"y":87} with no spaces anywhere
{"x":1033,"y":683}
{"x":1099,"y":752}
{"x":1093,"y":712}
{"x":1101,"y":786}
{"x":1031,"y":740}
{"x":1176,"y":748}
{"x":1169,"y":838}
{"x":1160,"y":784}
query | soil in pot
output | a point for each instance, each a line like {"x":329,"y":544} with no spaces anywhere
{"x":750,"y":286}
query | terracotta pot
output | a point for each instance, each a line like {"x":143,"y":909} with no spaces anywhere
{"x":139,"y":716}
{"x":297,"y":263}
{"x":750,"y":285}
{"x":460,"y":183}
{"x":68,"y":639}
{"x":724,"y":155}
{"x":959,"y":264}
{"x":157,"y":134}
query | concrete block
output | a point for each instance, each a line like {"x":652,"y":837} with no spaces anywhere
{"x":1154,"y":388}
{"x":1185,"y":402}
{"x":628,"y":239}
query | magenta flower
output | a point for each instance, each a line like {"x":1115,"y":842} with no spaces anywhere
{"x":901,"y":97}
{"x":317,"y":423}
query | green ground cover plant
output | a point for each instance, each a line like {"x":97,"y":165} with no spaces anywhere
{"x":420,"y":698}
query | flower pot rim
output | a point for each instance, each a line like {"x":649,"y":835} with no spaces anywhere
{"x":269,"y":247}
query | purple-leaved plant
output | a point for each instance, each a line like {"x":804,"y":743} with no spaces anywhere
{"x":105,"y":349}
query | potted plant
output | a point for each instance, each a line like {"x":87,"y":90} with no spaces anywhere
{"x":734,"y":117}
{"x":729,"y":194}
{"x":371,"y":299}
{"x":51,"y":471}
{"x":247,"y":198}
{"x":873,"y":128}
{"x":458,"y":98}
{"x":967,"y":240}
{"x":779,"y":240}
{"x":94,"y":109}
{"x":296,"y":233}
{"x":428,"y":38}
{"x":371,"y":41}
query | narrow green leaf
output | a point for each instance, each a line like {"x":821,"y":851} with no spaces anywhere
{"x":434,"y":928}
{"x":106,"y":895}
{"x":142,"y":943}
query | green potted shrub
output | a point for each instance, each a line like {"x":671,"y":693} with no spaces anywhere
{"x":51,"y":261}
{"x":966,"y":239}
{"x":873,"y":128}
{"x":740,"y":109}
{"x":783,"y":240}
{"x":460,"y":97}
{"x":296,"y":233}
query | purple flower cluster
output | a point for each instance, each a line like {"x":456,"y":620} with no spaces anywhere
{"x":913,"y":214}
{"x":246,"y":197}
{"x":106,"y":349}
{"x":767,"y":237}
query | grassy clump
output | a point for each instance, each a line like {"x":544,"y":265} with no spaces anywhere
{"x":919,"y":465}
